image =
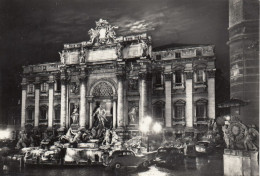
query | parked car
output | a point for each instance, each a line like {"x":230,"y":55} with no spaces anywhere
{"x":126,"y":158}
{"x":169,"y":156}
{"x":204,"y":147}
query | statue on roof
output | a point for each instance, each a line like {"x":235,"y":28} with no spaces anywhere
{"x":103,"y":33}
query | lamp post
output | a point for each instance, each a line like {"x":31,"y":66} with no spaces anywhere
{"x":145,"y":128}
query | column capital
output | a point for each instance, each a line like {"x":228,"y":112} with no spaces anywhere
{"x":37,"y":85}
{"x":24,"y":86}
{"x":82,"y":77}
{"x":90,"y":99}
{"x":142,"y":75}
{"x":114,"y":98}
{"x":168,"y":76}
{"x":189,"y":74}
{"x":63,"y":80}
{"x":51,"y":84}
{"x":211,"y":73}
{"x":120,"y":76}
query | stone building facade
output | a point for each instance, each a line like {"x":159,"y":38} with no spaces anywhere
{"x":175,"y":86}
{"x":244,"y":58}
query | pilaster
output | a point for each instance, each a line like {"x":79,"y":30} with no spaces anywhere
{"x":37,"y":102}
{"x":23,"y":103}
{"x":211,"y":94}
{"x":51,"y":100}
{"x":189,"y":99}
{"x":82,"y":109}
{"x":168,"y":99}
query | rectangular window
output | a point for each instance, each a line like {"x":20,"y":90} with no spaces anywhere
{"x":200,"y":76}
{"x":158,"y":57}
{"x":30,"y":114}
{"x":200,"y":111}
{"x":158,"y":79}
{"x":43,"y":114}
{"x":178,"y":78}
{"x":31,"y":88}
{"x":179,"y":112}
{"x":57,"y":114}
{"x":177,"y":55}
{"x":44,"y":87}
{"x":58,"y":85}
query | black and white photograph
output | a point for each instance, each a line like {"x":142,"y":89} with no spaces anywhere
{"x":129,"y":87}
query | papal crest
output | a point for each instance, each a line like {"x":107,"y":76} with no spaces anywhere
{"x":103,"y":33}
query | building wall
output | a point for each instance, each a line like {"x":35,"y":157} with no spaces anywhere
{"x":167,"y":78}
{"x":244,"y":57}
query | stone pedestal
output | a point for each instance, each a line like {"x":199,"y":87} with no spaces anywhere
{"x":238,"y":162}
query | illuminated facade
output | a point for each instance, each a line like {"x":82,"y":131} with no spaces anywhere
{"x":175,"y":86}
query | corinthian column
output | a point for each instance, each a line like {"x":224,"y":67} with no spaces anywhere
{"x":211,"y":94}
{"x":51,"y":97}
{"x":37,"y":104}
{"x":114,"y":112}
{"x":189,"y":99}
{"x":63,"y":102}
{"x":23,"y":103}
{"x":82,"y":109}
{"x":143,"y":103}
{"x":120,"y":101}
{"x":168,"y":99}
{"x":90,"y":101}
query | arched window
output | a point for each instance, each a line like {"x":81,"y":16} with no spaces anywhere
{"x":57,"y":114}
{"x":30,"y":113}
{"x":44,"y":112}
{"x":201,"y":110}
{"x":158,"y":111}
{"x":179,"y":110}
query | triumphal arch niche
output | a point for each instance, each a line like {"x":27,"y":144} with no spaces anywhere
{"x":104,"y":73}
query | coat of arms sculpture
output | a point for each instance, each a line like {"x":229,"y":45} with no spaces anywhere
{"x":103,"y":33}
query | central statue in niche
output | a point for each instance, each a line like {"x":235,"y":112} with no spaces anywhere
{"x":100,"y":113}
{"x":75,"y":116}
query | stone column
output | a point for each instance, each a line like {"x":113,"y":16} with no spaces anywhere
{"x":143,"y":103}
{"x":168,"y":99}
{"x":82,"y":109}
{"x":90,"y":100}
{"x":189,"y":99}
{"x":37,"y":104}
{"x":51,"y":98}
{"x":114,"y":112}
{"x":211,"y":94}
{"x":120,"y":101}
{"x":63,"y":102}
{"x":23,"y":103}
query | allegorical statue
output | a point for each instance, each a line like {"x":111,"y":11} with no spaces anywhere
{"x":75,"y":116}
{"x":133,"y":115}
{"x":225,"y":136}
{"x":101,"y":117}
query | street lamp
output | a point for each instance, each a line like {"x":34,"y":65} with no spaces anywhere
{"x":145,"y":127}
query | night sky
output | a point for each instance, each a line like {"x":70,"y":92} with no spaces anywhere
{"x":34,"y":31}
